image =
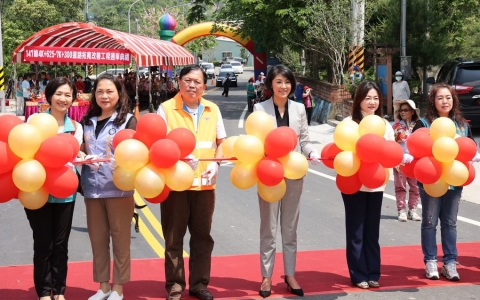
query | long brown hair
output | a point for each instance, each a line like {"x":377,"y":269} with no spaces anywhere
{"x":454,"y":114}
{"x":360,"y":95}
{"x":123,"y":106}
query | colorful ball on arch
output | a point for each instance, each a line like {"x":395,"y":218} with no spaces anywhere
{"x":167,"y":22}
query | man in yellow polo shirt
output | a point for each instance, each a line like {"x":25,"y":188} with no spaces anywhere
{"x":193,"y":208}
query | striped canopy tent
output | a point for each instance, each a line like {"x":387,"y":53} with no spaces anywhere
{"x":77,"y":43}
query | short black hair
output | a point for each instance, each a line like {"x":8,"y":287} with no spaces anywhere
{"x":53,"y":85}
{"x":284,"y":71}
{"x":189,"y":68}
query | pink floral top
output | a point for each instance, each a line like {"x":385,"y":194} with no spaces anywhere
{"x":401,"y":131}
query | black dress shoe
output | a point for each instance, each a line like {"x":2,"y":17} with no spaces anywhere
{"x":202,"y":295}
{"x":298,"y":292}
{"x":265,"y":294}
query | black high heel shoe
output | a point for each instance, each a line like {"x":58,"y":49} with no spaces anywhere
{"x":298,"y":292}
{"x":265,"y":294}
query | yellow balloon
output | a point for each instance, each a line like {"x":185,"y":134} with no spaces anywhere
{"x":372,"y":124}
{"x":29,"y":175}
{"x":249,"y":149}
{"x":387,"y":177}
{"x":436,"y":189}
{"x":272,"y":193}
{"x":179,"y":177}
{"x":131,"y":155}
{"x":227,"y":146}
{"x":346,"y":135}
{"x":33,"y":200}
{"x":441,"y":127}
{"x":346,"y":163}
{"x":123,"y":179}
{"x":244,"y":176}
{"x":150,"y":181}
{"x":46,"y":124}
{"x":445,"y":149}
{"x":259,"y":124}
{"x":295,"y":165}
{"x":24,"y":140}
{"x":454,"y":173}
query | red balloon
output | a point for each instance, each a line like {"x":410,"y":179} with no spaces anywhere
{"x":270,"y":171}
{"x":279,"y":142}
{"x":161,"y":197}
{"x":427,"y":170}
{"x":348,"y":185}
{"x":73,"y":143}
{"x":408,"y":169}
{"x":122,"y":135}
{"x":185,"y":140}
{"x":292,"y":133}
{"x":61,"y":182}
{"x":328,"y":154}
{"x":164,"y":153}
{"x":471,"y":174}
{"x":419,"y":143}
{"x":369,"y":147}
{"x":150,"y":128}
{"x":372,"y":175}
{"x":467,"y":149}
{"x":9,"y":189}
{"x":7,"y":122}
{"x":8,"y":159}
{"x":54,"y":152}
{"x":392,"y":154}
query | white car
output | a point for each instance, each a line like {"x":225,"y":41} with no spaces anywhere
{"x":209,"y":69}
{"x":226,"y":66}
{"x":237,"y":67}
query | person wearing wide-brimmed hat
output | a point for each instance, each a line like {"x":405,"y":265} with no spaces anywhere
{"x":408,"y":114}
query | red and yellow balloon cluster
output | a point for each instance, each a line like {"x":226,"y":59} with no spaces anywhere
{"x":360,"y":154}
{"x":266,"y":156}
{"x":149,"y":159}
{"x":440,"y":157}
{"x":33,"y":158}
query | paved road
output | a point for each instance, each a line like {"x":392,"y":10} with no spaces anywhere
{"x":236,"y":224}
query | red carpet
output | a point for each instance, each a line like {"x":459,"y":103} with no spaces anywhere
{"x":318,"y":272}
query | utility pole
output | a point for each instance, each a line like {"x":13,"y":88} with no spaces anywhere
{"x":405,"y":61}
{"x":2,"y":71}
{"x":357,"y":32}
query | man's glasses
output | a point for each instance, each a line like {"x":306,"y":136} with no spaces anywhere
{"x":404,"y":110}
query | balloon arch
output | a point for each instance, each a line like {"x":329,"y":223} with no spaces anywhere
{"x":204,"y":29}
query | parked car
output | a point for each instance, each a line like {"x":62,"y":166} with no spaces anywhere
{"x":209,"y":69}
{"x":464,"y":76}
{"x":237,"y":67}
{"x":221,"y":76}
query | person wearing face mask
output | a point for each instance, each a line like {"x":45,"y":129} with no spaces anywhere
{"x":400,"y":88}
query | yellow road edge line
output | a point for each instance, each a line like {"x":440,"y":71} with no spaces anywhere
{"x":150,"y":238}
{"x":152,"y":219}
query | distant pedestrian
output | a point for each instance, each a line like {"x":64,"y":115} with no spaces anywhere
{"x":307,"y":98}
{"x":400,"y":88}
{"x":226,"y":85}
{"x":251,"y":95}
{"x":19,"y":94}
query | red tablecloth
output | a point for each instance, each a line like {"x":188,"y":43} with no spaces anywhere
{"x":76,"y":111}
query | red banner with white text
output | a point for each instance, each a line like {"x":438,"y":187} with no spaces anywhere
{"x":77,"y":55}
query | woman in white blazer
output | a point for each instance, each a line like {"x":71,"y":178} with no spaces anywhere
{"x":284,"y":112}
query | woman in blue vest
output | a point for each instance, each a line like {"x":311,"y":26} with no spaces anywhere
{"x":109,"y":210}
{"x":52,"y":223}
{"x":442,"y":102}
